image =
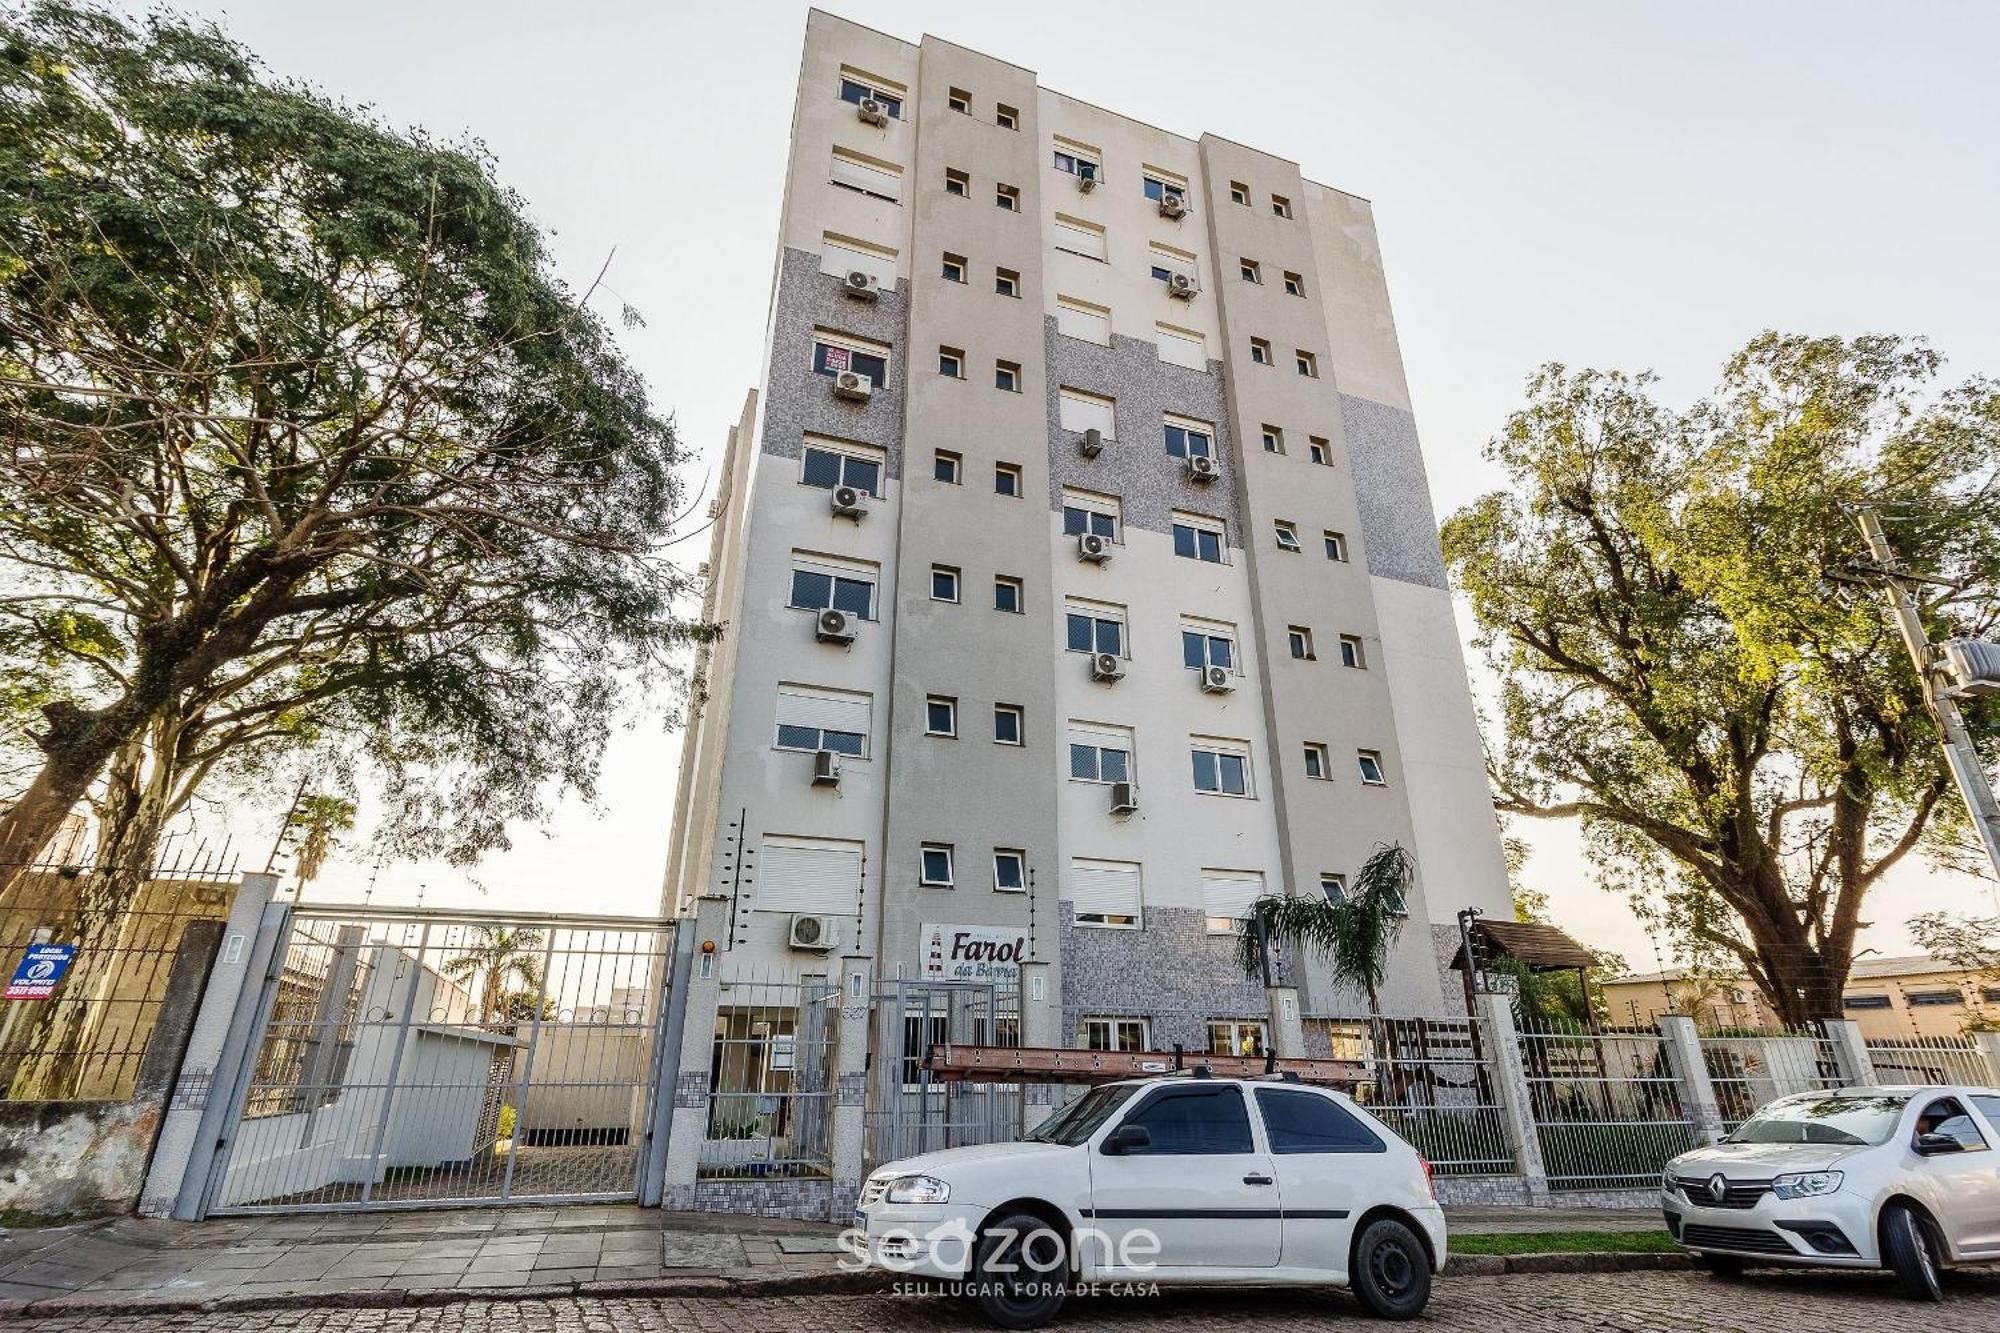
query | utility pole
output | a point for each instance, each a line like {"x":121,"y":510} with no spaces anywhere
{"x":1966,"y":769}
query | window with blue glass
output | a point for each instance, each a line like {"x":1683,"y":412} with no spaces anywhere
{"x":1099,"y":763}
{"x":817,"y":590}
{"x":1198,"y":543}
{"x":828,"y":468}
{"x":1200,"y":651}
{"x":1081,"y":167}
{"x":831,"y":359}
{"x":1159,"y":189}
{"x":1079,"y":520}
{"x":1095,"y":634}
{"x":1221,"y":772}
{"x":1187,"y":442}
{"x":850,"y":743}
{"x":850,"y":91}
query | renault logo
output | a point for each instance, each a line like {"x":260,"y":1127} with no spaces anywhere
{"x":1718,"y":1188}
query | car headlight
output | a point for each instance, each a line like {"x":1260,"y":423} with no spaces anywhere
{"x":1805,"y":1184}
{"x":918,"y":1189}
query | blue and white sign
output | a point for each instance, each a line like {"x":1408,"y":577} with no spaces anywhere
{"x":41,"y":967}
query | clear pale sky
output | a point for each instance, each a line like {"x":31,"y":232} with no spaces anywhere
{"x":1630,"y":185}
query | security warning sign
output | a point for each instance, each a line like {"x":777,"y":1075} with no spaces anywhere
{"x":39,"y":971}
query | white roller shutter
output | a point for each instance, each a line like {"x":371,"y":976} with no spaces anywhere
{"x":1182,"y":349}
{"x":828,"y":710}
{"x":796,"y":875}
{"x":1079,"y":411}
{"x":866,"y":177}
{"x":1104,"y":888}
{"x":837,"y":259}
{"x":1088,"y":322}
{"x":1080,"y":238}
{"x":1226,"y":895}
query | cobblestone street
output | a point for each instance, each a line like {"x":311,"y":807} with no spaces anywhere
{"x":1628,"y":1302}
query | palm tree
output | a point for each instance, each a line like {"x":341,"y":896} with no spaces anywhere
{"x":1354,"y":933}
{"x":321,"y":820}
{"x":497,"y":955}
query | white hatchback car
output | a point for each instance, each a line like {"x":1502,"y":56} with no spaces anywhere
{"x":1181,"y":1179}
{"x":1904,"y":1178}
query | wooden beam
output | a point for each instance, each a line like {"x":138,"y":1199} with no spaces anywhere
{"x":951,"y":1063}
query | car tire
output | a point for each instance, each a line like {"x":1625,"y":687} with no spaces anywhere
{"x":1722,"y":1265}
{"x":1392,"y":1270}
{"x":1020,"y":1271}
{"x":1911,"y":1253}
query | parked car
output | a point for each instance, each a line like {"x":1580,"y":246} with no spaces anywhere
{"x":1903,"y":1178}
{"x":1177,"y":1179}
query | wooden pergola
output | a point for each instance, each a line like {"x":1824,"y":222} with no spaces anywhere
{"x":1535,"y":946}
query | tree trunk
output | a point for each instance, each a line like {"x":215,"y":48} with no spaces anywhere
{"x":76,"y":746}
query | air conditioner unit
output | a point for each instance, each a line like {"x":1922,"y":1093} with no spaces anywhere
{"x":853,"y":384}
{"x":1975,"y":665}
{"x":833,"y":626}
{"x":1182,"y":286}
{"x":848,"y":501}
{"x":1094,"y":547}
{"x":862,"y":285}
{"x":826,"y":768}
{"x":1093,"y":443}
{"x":1085,"y":184}
{"x":872,"y":111}
{"x":1216,"y":680}
{"x":1124,"y":798}
{"x":1200,"y":468}
{"x":1106,"y":666}
{"x":820,"y":934}
{"x":1172,"y":205}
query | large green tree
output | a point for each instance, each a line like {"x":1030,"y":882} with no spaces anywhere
{"x":300,"y":437}
{"x":1741,"y":736}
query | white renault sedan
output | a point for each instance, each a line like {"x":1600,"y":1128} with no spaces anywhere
{"x":1151,"y":1182}
{"x":1904,"y":1178}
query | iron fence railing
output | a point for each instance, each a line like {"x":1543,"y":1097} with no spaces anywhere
{"x":1747,"y":1069}
{"x":770,"y":1097}
{"x":1432,"y":1080}
{"x":908,"y":1111}
{"x":1936,"y":1059}
{"x":1608,"y":1106}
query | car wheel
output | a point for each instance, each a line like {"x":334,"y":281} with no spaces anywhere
{"x":1392,"y":1270}
{"x":1906,"y":1245}
{"x":1722,"y":1265}
{"x":1020,"y":1271}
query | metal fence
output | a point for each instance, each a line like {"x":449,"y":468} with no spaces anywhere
{"x":908,"y":1111}
{"x":1434,"y":1082}
{"x":770,"y":1087}
{"x":1747,"y":1069}
{"x":1607,"y":1106}
{"x":1916,"y":1059}
{"x":109,"y":942}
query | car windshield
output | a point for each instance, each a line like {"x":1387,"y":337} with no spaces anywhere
{"x":1080,"y":1119}
{"x":1846,"y":1121}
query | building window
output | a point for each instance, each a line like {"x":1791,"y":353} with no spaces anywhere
{"x":1006,"y":282}
{"x":936,"y":865}
{"x":957,"y":182}
{"x":1933,"y":999}
{"x":1169,"y":261}
{"x":1198,"y":539}
{"x":1274,"y":439}
{"x":1319,"y":451}
{"x":1007,"y":479}
{"x":1294,"y":285}
{"x":1989,"y":994}
{"x":818,"y":587}
{"x":866,"y":175}
{"x":1090,"y":513}
{"x":1334,"y":887}
{"x":1202,"y":647}
{"x":1100,"y":756}
{"x":1370,"y":762}
{"x":1186,"y":348}
{"x":1006,"y":117}
{"x":1299,"y":640}
{"x":1260,"y":351}
{"x":1007,"y":376}
{"x":959,"y":100}
{"x":1230,"y":1037}
{"x":831,"y":358}
{"x":1111,"y":1034}
{"x":1287,"y":535}
{"x":953,"y":269}
{"x":1008,"y":725}
{"x":827,"y":468}
{"x":946,"y":467}
{"x":1076,"y":164}
{"x":853,"y":90}
{"x":1281,"y":205}
{"x":813,"y":719}
{"x":1239,"y":193}
{"x":944,"y":583}
{"x":1186,"y":439}
{"x":940,"y":716}
{"x":1079,"y":411}
{"x":1007,"y":197}
{"x":1010,"y":870}
{"x":1094,"y":629}
{"x":1336,"y":546}
{"x":1158,"y":187}
{"x":1307,"y":363}
{"x":1351,"y":652}
{"x":1075,"y":236}
{"x":1105,"y":893}
{"x":1319,"y":764}
{"x":1250,"y":270}
{"x":1866,"y":1002}
{"x":1226,"y":897}
{"x":1221,"y":768}
{"x":1007,"y":594}
{"x":1081,"y":319}
{"x":951,"y":362}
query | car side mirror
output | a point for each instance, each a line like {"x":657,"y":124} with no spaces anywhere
{"x":1128,"y":1138}
{"x":1933,"y":1145}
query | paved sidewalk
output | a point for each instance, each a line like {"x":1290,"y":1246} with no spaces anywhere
{"x":402,"y":1258}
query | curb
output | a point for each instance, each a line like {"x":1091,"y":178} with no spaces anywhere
{"x":1566,"y":1261}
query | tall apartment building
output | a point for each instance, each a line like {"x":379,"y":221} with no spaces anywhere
{"x":1096,"y":439}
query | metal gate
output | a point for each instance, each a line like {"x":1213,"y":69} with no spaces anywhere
{"x":428,"y":1058}
{"x":909,"y":1112}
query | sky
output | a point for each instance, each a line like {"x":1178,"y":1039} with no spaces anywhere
{"x":1621,"y":185}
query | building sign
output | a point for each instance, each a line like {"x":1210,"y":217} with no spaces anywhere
{"x":973,"y":953}
{"x":41,"y":967}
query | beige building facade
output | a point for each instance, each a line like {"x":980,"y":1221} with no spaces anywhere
{"x":1888,"y":998}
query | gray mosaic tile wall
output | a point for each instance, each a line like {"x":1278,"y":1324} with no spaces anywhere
{"x":804,"y":1200}
{"x":1172,"y":972}
{"x":1398,"y":526}
{"x":796,"y":400}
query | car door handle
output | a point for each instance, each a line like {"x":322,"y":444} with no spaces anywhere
{"x":1254,"y":1179}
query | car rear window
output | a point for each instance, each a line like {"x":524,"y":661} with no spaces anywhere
{"x":1195,"y":1120}
{"x":1300,"y":1122}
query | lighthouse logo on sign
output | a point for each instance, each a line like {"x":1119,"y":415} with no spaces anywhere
{"x":973,"y":953}
{"x":40,"y":968}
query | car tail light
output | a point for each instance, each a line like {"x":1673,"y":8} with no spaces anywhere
{"x":1430,"y":1181}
